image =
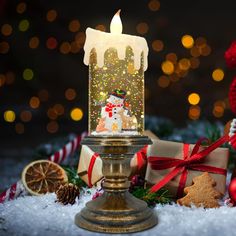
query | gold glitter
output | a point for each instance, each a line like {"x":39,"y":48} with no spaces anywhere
{"x":115,"y":74}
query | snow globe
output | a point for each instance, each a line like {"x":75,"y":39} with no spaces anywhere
{"x":116,"y":122}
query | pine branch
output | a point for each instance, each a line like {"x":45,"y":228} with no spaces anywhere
{"x":73,"y":176}
{"x":160,"y":197}
{"x":213,"y":132}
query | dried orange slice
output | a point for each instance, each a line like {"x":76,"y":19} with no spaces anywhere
{"x":43,"y":176}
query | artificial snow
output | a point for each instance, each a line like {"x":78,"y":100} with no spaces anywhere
{"x":41,"y":215}
{"x":123,"y":133}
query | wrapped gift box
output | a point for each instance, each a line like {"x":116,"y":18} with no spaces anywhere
{"x":90,"y":164}
{"x":165,"y":151}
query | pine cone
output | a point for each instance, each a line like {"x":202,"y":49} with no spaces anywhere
{"x":67,"y":193}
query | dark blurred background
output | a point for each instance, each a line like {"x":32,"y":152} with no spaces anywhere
{"x":44,"y":83}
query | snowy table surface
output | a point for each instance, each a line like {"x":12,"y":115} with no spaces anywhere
{"x":42,"y":216}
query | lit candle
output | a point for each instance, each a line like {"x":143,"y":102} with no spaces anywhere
{"x":116,"y":80}
{"x":116,"y":24}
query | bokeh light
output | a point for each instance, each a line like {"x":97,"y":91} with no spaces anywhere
{"x":194,"y":62}
{"x":200,"y":42}
{"x":101,"y":27}
{"x":154,"y":5}
{"x":157,"y":45}
{"x":193,"y":98}
{"x":26,"y":116}
{"x":220,"y":103}
{"x":9,"y":116}
{"x":174,"y":77}
{"x":187,"y":41}
{"x":184,"y":64}
{"x":51,"y":15}
{"x":218,"y":74}
{"x":6,"y":29}
{"x":173,"y":67}
{"x":205,"y":51}
{"x":52,"y":127}
{"x":34,"y":42}
{"x":163,"y":81}
{"x":194,"y":112}
{"x":28,"y":74}
{"x":167,"y":67}
{"x":51,"y":43}
{"x":218,"y":109}
{"x":24,"y":25}
{"x":195,"y":51}
{"x":59,"y":109}
{"x":65,"y":48}
{"x":4,"y":47}
{"x":20,"y":128}
{"x":75,"y":47}
{"x":34,"y":102}
{"x":181,"y":73}
{"x":74,"y":26}
{"x":142,"y":28}
{"x":76,"y":114}
{"x":172,"y":57}
{"x":70,"y":94}
{"x":52,"y":114}
{"x":80,"y":38}
{"x":21,"y":7}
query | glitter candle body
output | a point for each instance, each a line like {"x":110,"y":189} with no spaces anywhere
{"x":116,"y":82}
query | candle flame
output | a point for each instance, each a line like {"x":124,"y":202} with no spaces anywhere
{"x":116,"y":24}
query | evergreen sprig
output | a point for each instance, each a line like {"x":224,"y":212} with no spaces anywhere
{"x":213,"y":132}
{"x":73,"y":176}
{"x":160,"y":197}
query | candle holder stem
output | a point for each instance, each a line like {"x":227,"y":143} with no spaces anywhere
{"x":116,"y":211}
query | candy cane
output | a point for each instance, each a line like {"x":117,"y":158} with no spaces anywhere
{"x":13,"y":192}
{"x":232,"y":131}
{"x":67,"y":150}
{"x":17,"y":189}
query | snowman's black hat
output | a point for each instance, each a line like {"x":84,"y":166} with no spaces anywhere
{"x":118,"y":93}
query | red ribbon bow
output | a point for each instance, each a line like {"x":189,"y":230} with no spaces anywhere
{"x":110,"y":106}
{"x":194,"y":161}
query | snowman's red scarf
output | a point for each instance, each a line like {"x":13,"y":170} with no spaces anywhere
{"x":109,"y":106}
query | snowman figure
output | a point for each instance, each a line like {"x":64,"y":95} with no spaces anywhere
{"x":113,"y":111}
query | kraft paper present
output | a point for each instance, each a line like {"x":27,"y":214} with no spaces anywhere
{"x":87,"y":154}
{"x":217,"y":158}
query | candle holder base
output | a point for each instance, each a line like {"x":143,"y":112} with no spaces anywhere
{"x":116,"y":211}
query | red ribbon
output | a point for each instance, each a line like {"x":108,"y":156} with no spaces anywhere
{"x":141,"y":157}
{"x":110,"y":106}
{"x":90,"y":168}
{"x":194,"y":161}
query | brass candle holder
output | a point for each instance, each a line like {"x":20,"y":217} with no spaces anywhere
{"x":116,"y":122}
{"x":116,"y":211}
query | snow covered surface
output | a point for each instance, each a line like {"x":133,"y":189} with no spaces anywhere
{"x":123,"y":133}
{"x":42,"y":216}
